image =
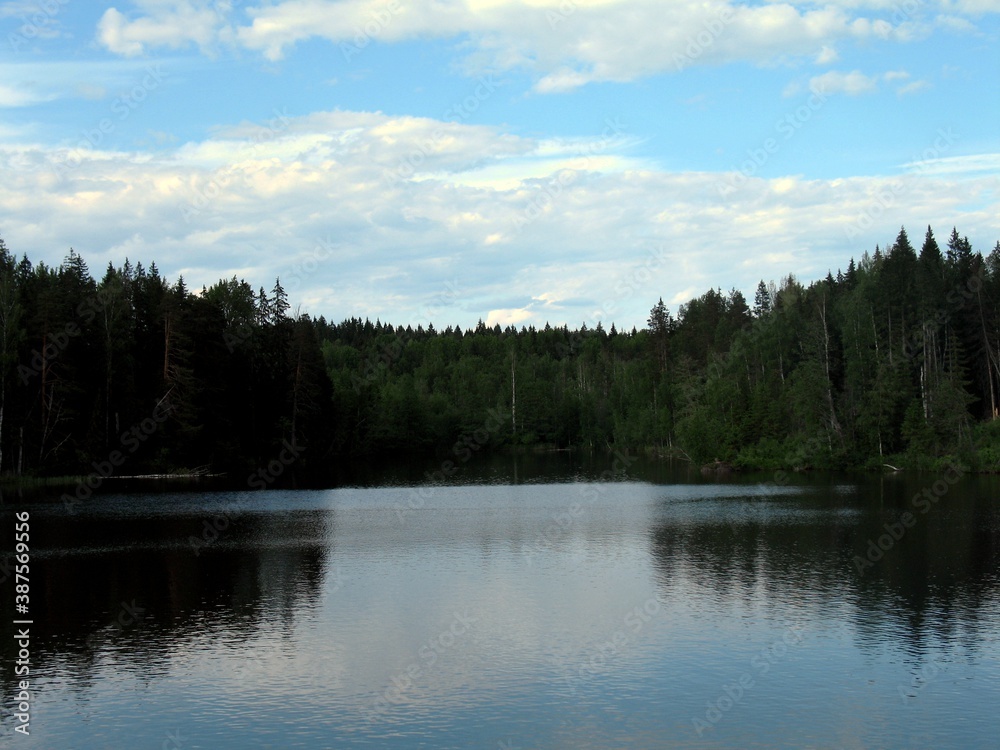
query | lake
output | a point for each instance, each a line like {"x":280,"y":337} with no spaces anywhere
{"x":529,"y":602}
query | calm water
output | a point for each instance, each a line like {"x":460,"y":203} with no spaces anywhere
{"x":542,"y":609}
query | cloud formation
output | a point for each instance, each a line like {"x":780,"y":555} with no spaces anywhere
{"x":415,"y":219}
{"x":563,"y":44}
{"x":856,"y":83}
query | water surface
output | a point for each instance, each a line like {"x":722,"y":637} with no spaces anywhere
{"x":547,"y":609}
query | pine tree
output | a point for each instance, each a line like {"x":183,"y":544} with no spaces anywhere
{"x":761,"y":300}
{"x":659,"y":325}
{"x":851,"y":276}
{"x":11,"y":331}
{"x":279,"y":303}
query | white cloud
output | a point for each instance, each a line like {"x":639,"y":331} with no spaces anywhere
{"x":836,"y":82}
{"x":565,"y":79}
{"x":912,"y":87}
{"x":827,"y":55}
{"x":91,"y":91}
{"x":19,"y":96}
{"x":505,"y":318}
{"x":172,"y":25}
{"x":39,"y":21}
{"x":956,"y":165}
{"x":562,"y":45}
{"x":973,"y":7}
{"x":112,"y":32}
{"x":895,"y":75}
{"x":29,"y":83}
{"x":955,"y":24}
{"x":904,"y":86}
{"x":685,"y":295}
{"x":857,"y":83}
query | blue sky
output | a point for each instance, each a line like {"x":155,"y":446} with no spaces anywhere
{"x":516,"y":161}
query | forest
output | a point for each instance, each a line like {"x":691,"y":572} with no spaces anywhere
{"x":893,"y":360}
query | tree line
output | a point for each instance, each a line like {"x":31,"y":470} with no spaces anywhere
{"x":894,"y":360}
{"x":216,"y":381}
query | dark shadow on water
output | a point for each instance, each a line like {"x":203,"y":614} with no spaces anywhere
{"x":140,"y":589}
{"x":931,"y":576}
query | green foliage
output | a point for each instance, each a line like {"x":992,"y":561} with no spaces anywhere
{"x":986,"y":438}
{"x":87,"y":363}
{"x":895,"y":361}
{"x":917,"y":432}
{"x":850,"y":371}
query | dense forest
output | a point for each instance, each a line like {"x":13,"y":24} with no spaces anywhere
{"x":895,"y":360}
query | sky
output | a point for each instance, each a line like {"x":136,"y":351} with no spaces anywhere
{"x":512,"y":161}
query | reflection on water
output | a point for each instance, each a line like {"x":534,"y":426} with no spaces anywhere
{"x":583,"y":614}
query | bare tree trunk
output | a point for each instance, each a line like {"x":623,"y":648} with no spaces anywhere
{"x":925,"y":375}
{"x":990,"y":363}
{"x":890,"y":336}
{"x":834,"y":422}
{"x":513,"y":394}
{"x":295,"y":394}
{"x":108,"y":379}
{"x":166,"y":349}
{"x":45,"y":372}
{"x":874,"y":333}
